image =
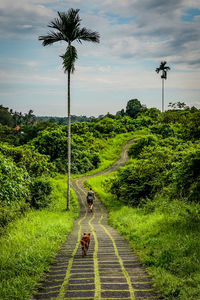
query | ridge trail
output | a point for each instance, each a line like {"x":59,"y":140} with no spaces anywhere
{"x":110,"y":271}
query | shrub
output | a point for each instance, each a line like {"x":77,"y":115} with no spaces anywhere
{"x":106,"y":125}
{"x":95,"y":160}
{"x":27,"y":156}
{"x":14,"y":192}
{"x":52,"y":143}
{"x":138,"y":146}
{"x":9,"y":213}
{"x":191,"y":130}
{"x":8,"y":135}
{"x":40,"y":190}
{"x":164,"y":130}
{"x":188,"y":176}
{"x":14,"y":182}
{"x":136,"y":182}
{"x":143,"y":121}
{"x":142,"y":178}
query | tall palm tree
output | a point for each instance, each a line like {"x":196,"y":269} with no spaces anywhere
{"x":68,"y":29}
{"x":164,"y":69}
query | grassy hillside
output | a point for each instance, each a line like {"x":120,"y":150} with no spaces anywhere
{"x":153,"y":200}
{"x":30,"y":243}
{"x":166,"y":238}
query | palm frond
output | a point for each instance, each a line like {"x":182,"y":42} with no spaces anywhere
{"x":67,"y":24}
{"x":163,"y":68}
{"x":88,"y":35}
{"x":67,"y":28}
{"x":157,"y":70}
{"x":56,"y":24}
{"x":167,"y":68}
{"x":70,"y":23}
{"x":72,"y":16}
{"x":51,"y":38}
{"x":69,"y":59}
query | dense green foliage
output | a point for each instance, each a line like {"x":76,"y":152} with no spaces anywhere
{"x":30,"y":243}
{"x":40,"y":191}
{"x":88,"y":140}
{"x":134,"y":107}
{"x":166,"y":161}
{"x":35,"y":150}
{"x":14,"y":193}
{"x":54,"y":144}
{"x":165,"y":157}
{"x":166,"y":235}
{"x":19,"y":168}
{"x":154,"y":199}
{"x":167,"y":166}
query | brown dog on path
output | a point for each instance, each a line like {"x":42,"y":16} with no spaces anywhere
{"x":85,"y":242}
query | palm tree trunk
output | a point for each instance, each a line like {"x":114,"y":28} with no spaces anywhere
{"x":69,"y":143}
{"x":162,"y":94}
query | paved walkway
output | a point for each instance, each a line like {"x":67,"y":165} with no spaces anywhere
{"x":111,"y":270}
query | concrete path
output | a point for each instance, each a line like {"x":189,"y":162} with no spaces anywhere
{"x":111,"y":270}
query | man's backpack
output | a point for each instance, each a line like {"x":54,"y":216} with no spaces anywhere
{"x":90,"y":196}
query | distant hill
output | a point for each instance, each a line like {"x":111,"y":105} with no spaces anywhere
{"x":63,"y":120}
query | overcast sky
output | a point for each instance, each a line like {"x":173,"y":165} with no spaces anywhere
{"x":136,"y":35}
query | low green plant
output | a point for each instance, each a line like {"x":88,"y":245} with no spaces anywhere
{"x":40,"y":190}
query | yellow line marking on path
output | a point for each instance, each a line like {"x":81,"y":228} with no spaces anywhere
{"x":131,"y":290}
{"x":95,"y":259}
{"x":97,"y":295}
{"x":67,"y":276}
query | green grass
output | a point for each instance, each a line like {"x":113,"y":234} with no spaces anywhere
{"x":166,"y":238}
{"x":112,"y":150}
{"x":110,"y":153}
{"x":30,"y":243}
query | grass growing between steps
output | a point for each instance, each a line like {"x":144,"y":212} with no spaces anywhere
{"x":166,"y":238}
{"x":30,"y":243}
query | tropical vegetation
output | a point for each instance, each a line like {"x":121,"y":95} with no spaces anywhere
{"x":153,"y":200}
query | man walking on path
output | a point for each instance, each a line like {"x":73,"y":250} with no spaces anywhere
{"x":90,"y":199}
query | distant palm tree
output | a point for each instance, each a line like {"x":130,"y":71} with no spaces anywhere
{"x":68,"y":29}
{"x":164,"y":69}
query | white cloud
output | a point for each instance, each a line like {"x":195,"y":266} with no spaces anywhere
{"x":135,"y":36}
{"x":20,"y":16}
{"x":31,"y":63}
{"x":105,"y":69}
{"x":154,"y":28}
{"x":24,"y":78}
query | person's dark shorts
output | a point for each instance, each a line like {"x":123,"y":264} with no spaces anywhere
{"x":90,"y":202}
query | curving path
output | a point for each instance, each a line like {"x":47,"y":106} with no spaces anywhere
{"x":111,"y":270}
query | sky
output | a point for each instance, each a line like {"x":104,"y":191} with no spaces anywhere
{"x":135,"y":36}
